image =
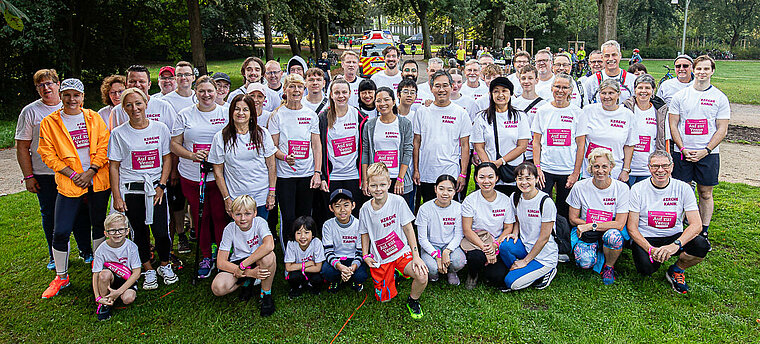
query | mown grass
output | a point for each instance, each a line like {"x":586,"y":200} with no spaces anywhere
{"x":722,"y":307}
{"x":7,"y":133}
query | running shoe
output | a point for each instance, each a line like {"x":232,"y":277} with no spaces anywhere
{"x":151,"y":281}
{"x":51,"y":265}
{"x":432,"y":278}
{"x":333,"y":287}
{"x":414,"y":307}
{"x":563,"y":258}
{"x":193,"y":234}
{"x":471,"y":282}
{"x":55,"y":286}
{"x":246,"y":291}
{"x":184,"y":245}
{"x":357,"y":287}
{"x":295,"y":292}
{"x":453,"y":278}
{"x":205,"y":267}
{"x":103,"y":312}
{"x":546,"y":280}
{"x":177,"y":263}
{"x":677,"y":279}
{"x":267,"y":305}
{"x":167,"y":274}
{"x":608,"y":275}
{"x":86,"y":257}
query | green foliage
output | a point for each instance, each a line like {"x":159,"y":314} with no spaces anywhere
{"x":577,"y":15}
{"x":751,"y":53}
{"x":528,"y":15}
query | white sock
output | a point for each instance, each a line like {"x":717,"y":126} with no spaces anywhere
{"x":61,"y":261}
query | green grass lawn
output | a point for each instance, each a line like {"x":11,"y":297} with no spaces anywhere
{"x":723,"y":306}
{"x":7,"y":133}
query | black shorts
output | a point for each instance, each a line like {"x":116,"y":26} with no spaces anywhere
{"x":704,"y":172}
{"x":175,"y":197}
{"x":242,"y":280}
{"x":118,"y":282}
{"x":698,"y":247}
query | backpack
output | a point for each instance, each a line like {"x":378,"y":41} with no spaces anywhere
{"x":561,"y":232}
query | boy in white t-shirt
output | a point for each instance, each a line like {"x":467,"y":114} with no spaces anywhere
{"x":389,"y":242}
{"x":115,"y":268}
{"x":343,"y":246}
{"x":246,"y":252}
{"x":303,"y":258}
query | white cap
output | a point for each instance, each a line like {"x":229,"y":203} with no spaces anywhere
{"x":72,"y":84}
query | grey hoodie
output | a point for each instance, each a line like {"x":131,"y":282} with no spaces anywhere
{"x":296,"y":60}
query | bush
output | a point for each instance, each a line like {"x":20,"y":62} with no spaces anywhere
{"x":658,"y":52}
{"x":751,"y":53}
{"x":333,"y":46}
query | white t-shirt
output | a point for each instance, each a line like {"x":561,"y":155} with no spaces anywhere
{"x":343,"y":142}
{"x":387,"y":143}
{"x":158,"y":95}
{"x":520,"y":104}
{"x":482,"y":103}
{"x":558,"y":128}
{"x":179,"y":102}
{"x":105,"y":113}
{"x":530,"y":217}
{"x":345,"y":241}
{"x":157,"y":110}
{"x":510,"y":131}
{"x":516,"y":84}
{"x":28,"y":128}
{"x":439,"y":226}
{"x":353,"y":100}
{"x":611,"y":130}
{"x":274,"y":99}
{"x":139,"y":151}
{"x":423,"y":93}
{"x":313,"y":106}
{"x":77,"y":129}
{"x":383,"y":80}
{"x":295,"y":128}
{"x":489,"y":216}
{"x":245,"y":168}
{"x":241,"y":244}
{"x":126,"y":254}
{"x":661,"y":211}
{"x":385,"y":228}
{"x":315,"y":252}
{"x":544,"y":88}
{"x":591,"y":86}
{"x":596,"y":205}
{"x":440,"y":129}
{"x":645,"y":134}
{"x":670,"y":87}
{"x":468,"y":104}
{"x":475,"y":92}
{"x":235,"y":92}
{"x":699,"y":112}
{"x":198,"y":130}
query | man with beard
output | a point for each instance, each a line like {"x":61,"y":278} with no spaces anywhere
{"x":390,"y":76}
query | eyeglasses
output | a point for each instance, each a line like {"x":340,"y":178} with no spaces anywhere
{"x":562,"y":87}
{"x":441,"y":85}
{"x":408,"y":92}
{"x":273,"y":72}
{"x":596,"y":61}
{"x":45,"y":84}
{"x":542,"y":61}
{"x":684,"y":66}
{"x":657,"y":167}
{"x":184,"y":75}
{"x":116,"y":93}
{"x":117,"y":230}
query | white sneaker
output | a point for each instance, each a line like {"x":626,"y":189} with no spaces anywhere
{"x":563,"y":258}
{"x":151,"y":281}
{"x":167,"y":274}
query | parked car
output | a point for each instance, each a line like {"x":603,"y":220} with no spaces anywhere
{"x":415,"y":39}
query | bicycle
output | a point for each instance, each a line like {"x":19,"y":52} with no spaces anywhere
{"x":668,"y":75}
{"x":333,"y":57}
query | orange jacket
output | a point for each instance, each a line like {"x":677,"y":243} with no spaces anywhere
{"x":57,"y":150}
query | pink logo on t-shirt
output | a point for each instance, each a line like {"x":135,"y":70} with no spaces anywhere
{"x":80,"y":137}
{"x":298,"y":149}
{"x":387,"y":157}
{"x":344,"y":146}
{"x":558,"y":137}
{"x":598,"y":216}
{"x":201,"y":146}
{"x":592,"y":146}
{"x":644,"y":144}
{"x":389,"y":245}
{"x":661,"y":219}
{"x":142,"y":160}
{"x":696,"y":126}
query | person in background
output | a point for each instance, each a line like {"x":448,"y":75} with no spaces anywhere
{"x":325,"y":65}
{"x":167,"y":82}
{"x":635,"y":58}
{"x":223,"y":84}
{"x":110,"y":94}
{"x":184,"y":96}
{"x":252,"y":71}
{"x":684,"y":66}
{"x":637,"y":69}
{"x":611,"y":56}
{"x":367,"y":89}
{"x":649,"y":122}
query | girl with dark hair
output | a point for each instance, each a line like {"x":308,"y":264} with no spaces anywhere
{"x":243,"y":158}
{"x":367,"y":90}
{"x":487,"y":219}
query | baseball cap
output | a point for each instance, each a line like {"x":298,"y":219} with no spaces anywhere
{"x":169,"y":69}
{"x":72,"y":84}
{"x":340,"y":194}
{"x":221,"y":76}
{"x":502,"y":81}
{"x":684,"y":56}
{"x":253,"y":87}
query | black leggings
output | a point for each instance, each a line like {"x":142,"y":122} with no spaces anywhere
{"x":698,"y":247}
{"x":562,"y":191}
{"x":296,"y":198}
{"x":493,"y":273}
{"x":68,"y":208}
{"x":297,"y":280}
{"x":160,"y":227}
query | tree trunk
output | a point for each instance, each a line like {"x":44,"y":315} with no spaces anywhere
{"x":607,"y":20}
{"x":295,"y":45}
{"x":735,"y":37}
{"x":425,"y":35}
{"x":649,"y":29}
{"x":316,"y":49}
{"x":324,"y":31}
{"x":268,"y":46}
{"x":498,"y":29}
{"x":196,"y":36}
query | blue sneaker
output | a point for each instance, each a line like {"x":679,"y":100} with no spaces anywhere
{"x":87,"y":259}
{"x":677,"y":279}
{"x":51,"y":265}
{"x":608,"y":275}
{"x":205,"y":267}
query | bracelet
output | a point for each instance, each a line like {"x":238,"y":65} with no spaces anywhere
{"x":682,"y":148}
{"x":538,"y":165}
{"x":335,"y":263}
{"x":303,"y":270}
{"x":272,"y":189}
{"x":496,"y":245}
{"x":474,"y":153}
{"x":320,"y":172}
{"x":503,"y":162}
{"x":29,"y":177}
{"x":72,"y":174}
{"x":400,"y":180}
{"x":462,"y":176}
{"x":650,"y":255}
{"x":435,"y":254}
{"x":243,"y":267}
{"x":226,"y":198}
{"x":369,"y":255}
{"x":98,"y":298}
{"x":709,"y":151}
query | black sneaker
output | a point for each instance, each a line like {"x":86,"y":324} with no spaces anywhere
{"x":177,"y":263}
{"x":677,"y":280}
{"x":267,"y":305}
{"x":183,"y":246}
{"x":546,"y":280}
{"x":103,"y":312}
{"x":193,"y":234}
{"x":357,"y":287}
{"x":246,"y":292}
{"x":414,"y":307}
{"x":333,"y":287}
{"x":295,"y":292}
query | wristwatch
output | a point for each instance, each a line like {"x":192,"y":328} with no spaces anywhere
{"x":678,"y":242}
{"x":162,"y":186}
{"x":626,"y":169}
{"x":593,"y":226}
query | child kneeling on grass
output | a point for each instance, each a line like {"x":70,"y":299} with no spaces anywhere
{"x":303,"y":258}
{"x":246,"y":253}
{"x":115,"y":267}
{"x":343,"y":248}
{"x":385,"y":224}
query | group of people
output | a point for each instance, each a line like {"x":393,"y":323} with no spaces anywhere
{"x":370,"y":177}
